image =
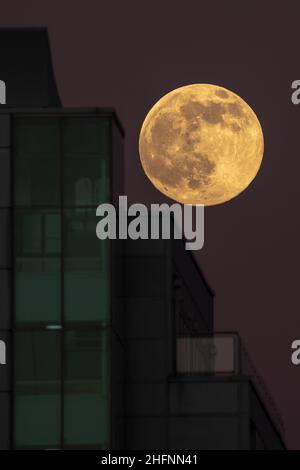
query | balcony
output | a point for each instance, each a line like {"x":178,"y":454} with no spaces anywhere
{"x":223,"y":356}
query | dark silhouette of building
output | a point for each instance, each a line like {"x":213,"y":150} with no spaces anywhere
{"x":186,"y":386}
{"x":110,"y":344}
{"x":26,"y":68}
{"x":59,"y":276}
{"x":56,"y":279}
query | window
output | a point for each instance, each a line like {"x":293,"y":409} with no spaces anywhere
{"x":86,"y":406}
{"x":37,"y":162}
{"x":62,"y":394}
{"x":86,"y":151}
{"x":86,"y":273}
{"x":37,"y":266}
{"x":37,"y":389}
{"x":61,"y":283}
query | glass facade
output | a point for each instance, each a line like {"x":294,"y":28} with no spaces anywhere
{"x":62,"y":291}
{"x":38,"y":399}
{"x":86,"y":403}
{"x":38,"y":266}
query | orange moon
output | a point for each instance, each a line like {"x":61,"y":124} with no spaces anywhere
{"x":201,"y":144}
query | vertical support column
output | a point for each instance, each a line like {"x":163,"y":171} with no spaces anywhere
{"x":6,"y":317}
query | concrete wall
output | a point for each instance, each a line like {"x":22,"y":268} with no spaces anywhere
{"x":151,"y":336}
{"x":208,"y":414}
{"x":218,"y":414}
{"x":266,"y":432}
{"x":117,"y":359}
{"x":148,"y":342}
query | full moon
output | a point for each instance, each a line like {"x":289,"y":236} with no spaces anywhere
{"x":201,"y":144}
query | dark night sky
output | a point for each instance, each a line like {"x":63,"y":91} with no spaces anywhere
{"x":127,"y":54}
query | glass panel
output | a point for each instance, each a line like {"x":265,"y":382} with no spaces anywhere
{"x":87,"y":407}
{"x":215,"y":354}
{"x":37,"y":392}
{"x":117,"y":166}
{"x":38,"y":264}
{"x":86,"y":135}
{"x":5,"y":296}
{"x":37,"y":162}
{"x":86,"y":150}
{"x":86,"y":276}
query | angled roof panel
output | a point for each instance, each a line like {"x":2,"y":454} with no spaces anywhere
{"x":26,"y":68}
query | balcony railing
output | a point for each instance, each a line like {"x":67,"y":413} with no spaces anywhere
{"x":208,"y":355}
{"x":223,"y":355}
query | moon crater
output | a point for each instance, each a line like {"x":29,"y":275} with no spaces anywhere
{"x":201,"y":144}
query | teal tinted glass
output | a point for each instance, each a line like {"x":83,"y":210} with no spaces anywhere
{"x":37,"y":266}
{"x":37,"y":389}
{"x":87,"y":390}
{"x":86,"y":272}
{"x":61,"y":280}
{"x":86,"y":146}
{"x":37,"y":161}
